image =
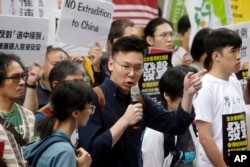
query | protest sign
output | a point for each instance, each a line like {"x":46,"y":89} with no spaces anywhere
{"x":83,"y":23}
{"x":31,"y":8}
{"x":240,"y":10}
{"x":156,"y":64}
{"x":25,"y":37}
{"x":69,"y":48}
{"x":208,"y":13}
{"x":173,"y":10}
{"x":242,"y":29}
{"x":234,"y":131}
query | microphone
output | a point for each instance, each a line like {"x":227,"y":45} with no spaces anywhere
{"x":135,"y":95}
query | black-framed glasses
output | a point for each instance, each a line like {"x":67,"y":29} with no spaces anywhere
{"x":92,"y":108}
{"x":17,"y":77}
{"x":127,"y":69}
{"x":166,"y":35}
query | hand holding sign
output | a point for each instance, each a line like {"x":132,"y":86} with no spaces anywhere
{"x":84,"y":22}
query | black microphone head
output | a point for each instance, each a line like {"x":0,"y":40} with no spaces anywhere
{"x":135,"y":94}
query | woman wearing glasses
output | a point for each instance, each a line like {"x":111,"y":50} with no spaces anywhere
{"x":71,"y":107}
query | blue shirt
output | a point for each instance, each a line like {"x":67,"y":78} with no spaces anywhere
{"x":59,"y":154}
{"x":96,"y":137}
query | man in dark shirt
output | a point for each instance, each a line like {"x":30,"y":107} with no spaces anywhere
{"x":119,"y":28}
{"x":110,"y":135}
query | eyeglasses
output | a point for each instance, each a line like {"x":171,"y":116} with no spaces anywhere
{"x":127,"y":69}
{"x":17,"y":77}
{"x":166,"y":35}
{"x":92,"y":108}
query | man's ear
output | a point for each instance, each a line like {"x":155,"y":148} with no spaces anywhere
{"x":54,"y":83}
{"x":76,"y":113}
{"x":166,"y":97}
{"x":115,"y":39}
{"x":216,"y":56}
{"x":110,"y":64}
{"x":150,"y":40}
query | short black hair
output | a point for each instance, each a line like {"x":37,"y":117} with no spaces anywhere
{"x":219,"y":39}
{"x":172,"y":80}
{"x":197,"y":48}
{"x":183,"y":25}
{"x":130,"y":43}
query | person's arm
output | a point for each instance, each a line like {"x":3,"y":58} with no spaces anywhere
{"x":31,"y":99}
{"x":210,"y":147}
{"x":192,"y":84}
{"x":96,"y":140}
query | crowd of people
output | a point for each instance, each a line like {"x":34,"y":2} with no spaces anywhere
{"x":43,"y":106}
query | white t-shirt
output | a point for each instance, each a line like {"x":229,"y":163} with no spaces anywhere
{"x":216,"y":98}
{"x":152,"y":148}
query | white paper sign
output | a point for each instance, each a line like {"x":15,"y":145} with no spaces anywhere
{"x":83,"y":23}
{"x":69,"y":48}
{"x":31,"y":8}
{"x":24,"y":36}
{"x":243,"y":29}
{"x":53,"y":24}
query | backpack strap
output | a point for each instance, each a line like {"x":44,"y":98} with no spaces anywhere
{"x":10,"y":127}
{"x":101,"y":97}
{"x":45,"y":145}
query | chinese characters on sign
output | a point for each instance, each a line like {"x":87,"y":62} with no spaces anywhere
{"x":7,"y":34}
{"x":28,"y":8}
{"x":234,"y":132}
{"x":155,"y":65}
{"x":25,"y":37}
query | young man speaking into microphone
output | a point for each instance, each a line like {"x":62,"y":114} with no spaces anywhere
{"x":110,"y":136}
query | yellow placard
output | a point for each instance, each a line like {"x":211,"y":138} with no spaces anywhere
{"x":240,"y":10}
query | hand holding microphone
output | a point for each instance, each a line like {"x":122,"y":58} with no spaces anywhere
{"x":135,"y":96}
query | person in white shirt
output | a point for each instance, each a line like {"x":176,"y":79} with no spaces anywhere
{"x":220,"y":99}
{"x":182,"y":55}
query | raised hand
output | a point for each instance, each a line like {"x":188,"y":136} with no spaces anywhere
{"x":95,"y":55}
{"x":34,"y":74}
{"x":192,"y":82}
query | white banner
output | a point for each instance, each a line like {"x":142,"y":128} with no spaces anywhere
{"x":242,"y":29}
{"x":204,"y":13}
{"x":24,"y":36}
{"x":31,"y":8}
{"x":83,"y":23}
{"x":53,"y":24}
{"x":69,"y":48}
